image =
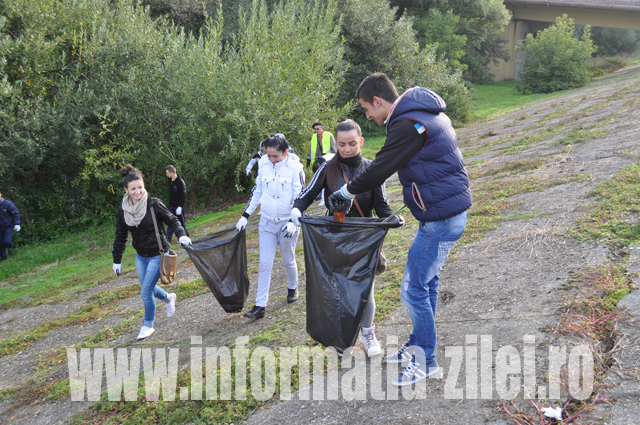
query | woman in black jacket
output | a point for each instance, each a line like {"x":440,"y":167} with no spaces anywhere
{"x":134,"y":215}
{"x":331,"y":175}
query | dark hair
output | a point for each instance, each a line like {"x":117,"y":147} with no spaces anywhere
{"x":348,"y":125}
{"x":333,"y":171}
{"x":278,"y":141}
{"x":315,"y":124}
{"x":170,"y":168}
{"x":130,"y":173}
{"x":379,"y":85}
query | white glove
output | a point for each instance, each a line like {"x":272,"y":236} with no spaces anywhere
{"x":249,"y":171}
{"x":184,"y":240}
{"x":16,"y":227}
{"x":179,"y":211}
{"x":241,"y":224}
{"x":117,"y":269}
{"x":295,"y":216}
{"x":289,"y":230}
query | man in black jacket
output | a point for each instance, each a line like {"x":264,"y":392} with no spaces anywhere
{"x":177,"y":198}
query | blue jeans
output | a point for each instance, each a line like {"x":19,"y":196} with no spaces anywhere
{"x":429,"y":251}
{"x":148,"y":273}
{"x":5,"y":240}
{"x":182,"y":223}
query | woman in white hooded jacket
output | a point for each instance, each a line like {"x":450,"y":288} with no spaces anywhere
{"x":280,"y":180}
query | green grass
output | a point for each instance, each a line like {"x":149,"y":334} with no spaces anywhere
{"x":372,"y":145}
{"x":495,"y":99}
{"x":614,"y":216}
{"x":30,"y":257}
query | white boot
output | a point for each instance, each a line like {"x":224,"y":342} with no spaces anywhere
{"x":368,"y":338}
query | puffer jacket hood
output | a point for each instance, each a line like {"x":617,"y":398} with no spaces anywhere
{"x":419,"y":99}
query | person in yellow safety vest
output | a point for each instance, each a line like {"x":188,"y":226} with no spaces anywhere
{"x":321,"y":143}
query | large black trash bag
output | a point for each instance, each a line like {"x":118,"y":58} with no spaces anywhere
{"x":340,"y":261}
{"x":221,"y":259}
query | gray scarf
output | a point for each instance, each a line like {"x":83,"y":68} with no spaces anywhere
{"x":134,"y":213}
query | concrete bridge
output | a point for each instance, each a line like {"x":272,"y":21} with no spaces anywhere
{"x":531,"y":16}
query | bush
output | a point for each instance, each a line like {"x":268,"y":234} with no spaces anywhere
{"x":607,"y":65}
{"x":614,"y":41}
{"x":375,"y":41}
{"x":554,"y":59}
{"x":87,"y":86}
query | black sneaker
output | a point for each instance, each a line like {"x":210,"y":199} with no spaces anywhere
{"x":255,"y":313}
{"x":10,"y":250}
{"x":292,"y":295}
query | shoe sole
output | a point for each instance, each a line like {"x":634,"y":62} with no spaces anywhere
{"x":432,"y":372}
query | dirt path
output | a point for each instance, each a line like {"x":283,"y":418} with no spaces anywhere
{"x":506,"y":285}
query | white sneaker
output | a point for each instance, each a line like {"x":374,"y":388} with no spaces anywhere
{"x":145,"y":332}
{"x":416,"y":371}
{"x":171,"y":305}
{"x":368,"y":338}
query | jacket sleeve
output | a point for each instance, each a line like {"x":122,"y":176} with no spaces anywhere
{"x":254,"y":199}
{"x":402,"y":143}
{"x":380,"y":204}
{"x":182,"y":199}
{"x":167,"y":218}
{"x":313,"y":189}
{"x":15,"y":213}
{"x":253,"y":161}
{"x":120,"y":242}
{"x":297,"y":183}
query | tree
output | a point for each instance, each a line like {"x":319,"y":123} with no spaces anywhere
{"x":375,"y":41}
{"x":614,"y":41}
{"x":554,"y":59}
{"x":480,"y":21}
{"x":87,"y":86}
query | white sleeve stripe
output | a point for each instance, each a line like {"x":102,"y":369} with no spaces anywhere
{"x":313,"y":181}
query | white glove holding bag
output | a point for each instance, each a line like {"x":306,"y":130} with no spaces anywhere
{"x":289,"y":230}
{"x":117,"y":269}
{"x":295,"y":216}
{"x":241,"y":224}
{"x":179,"y":211}
{"x":16,"y":228}
{"x":184,"y":240}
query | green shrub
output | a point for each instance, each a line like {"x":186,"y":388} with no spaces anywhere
{"x":88,"y":85}
{"x":600,"y":66}
{"x":554,"y":59}
{"x":376,"y":41}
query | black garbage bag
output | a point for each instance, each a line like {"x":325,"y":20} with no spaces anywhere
{"x":340,"y":261}
{"x":221,"y":259}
